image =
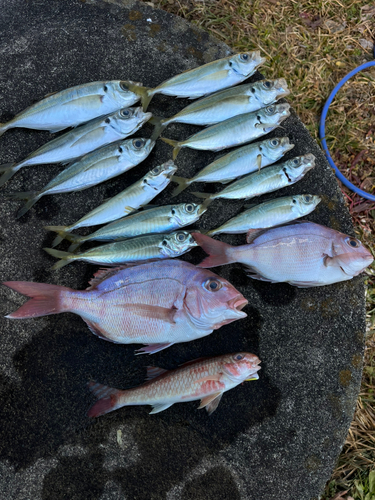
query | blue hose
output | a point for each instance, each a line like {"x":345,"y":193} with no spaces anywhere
{"x":322,"y":131}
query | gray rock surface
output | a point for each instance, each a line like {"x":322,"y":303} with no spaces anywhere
{"x":277,"y":438}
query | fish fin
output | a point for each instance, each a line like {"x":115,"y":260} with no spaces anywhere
{"x":211,"y":407}
{"x":158,"y":407}
{"x":65,"y":257}
{"x":182,"y":182}
{"x":108,"y":397}
{"x":44,"y":299}
{"x":152,"y":348}
{"x":152,"y":312}
{"x":50,"y":93}
{"x":31,"y":196}
{"x":154,"y":371}
{"x":254,"y":275}
{"x":94,"y":328}
{"x":217,"y":251}
{"x":62,"y":231}
{"x":9,"y":170}
{"x":102,"y":275}
{"x":3,"y":128}
{"x":259,"y":162}
{"x":158,"y":123}
{"x":209,"y":399}
{"x":191,"y":362}
{"x":206,"y":196}
{"x":252,"y":234}
{"x":145,"y":93}
{"x":90,"y":136}
{"x":209,"y":378}
{"x":175,"y":144}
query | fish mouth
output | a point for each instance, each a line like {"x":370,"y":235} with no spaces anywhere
{"x":288,"y":147}
{"x":238,"y":303}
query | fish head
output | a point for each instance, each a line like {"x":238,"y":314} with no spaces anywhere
{"x":350,"y":254}
{"x":177,"y":243}
{"x":241,"y":366}
{"x":185,"y":213}
{"x":122,"y":91}
{"x":276,"y":147}
{"x":138,"y":149}
{"x":304,"y":204}
{"x":127,"y":120}
{"x":269,"y":91}
{"x":246,"y":63}
{"x":297,"y":167}
{"x":159,"y":177}
{"x":211,"y":301}
{"x":273,"y":115}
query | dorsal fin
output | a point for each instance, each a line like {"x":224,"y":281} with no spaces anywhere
{"x":255,"y":233}
{"x":193,"y":361}
{"x":102,"y":275}
{"x":154,"y":371}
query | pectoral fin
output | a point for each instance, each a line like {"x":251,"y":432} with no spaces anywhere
{"x":211,"y":402}
{"x":214,"y":378}
{"x":158,"y":407}
{"x":152,"y":348}
{"x":154,"y":371}
{"x":94,"y":137}
{"x":147,"y":311}
{"x":259,"y":161}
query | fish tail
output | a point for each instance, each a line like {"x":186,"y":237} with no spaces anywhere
{"x":9,"y":170}
{"x":107,"y":399}
{"x":182,"y":182}
{"x":4,"y":127}
{"x":62,"y":231}
{"x":75,"y":243}
{"x":158,"y":123}
{"x":175,"y":144}
{"x":207,"y":196}
{"x":145,"y":93}
{"x":66,"y":257}
{"x":45,"y":299}
{"x":219,"y":252}
{"x":31,"y":196}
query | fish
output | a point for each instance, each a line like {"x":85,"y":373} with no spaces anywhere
{"x":303,"y":254}
{"x":234,"y":131}
{"x":269,"y":214}
{"x":228,"y":103}
{"x":205,"y":79}
{"x":82,"y":140}
{"x":204,"y":379}
{"x":128,"y":201}
{"x":75,"y":105}
{"x":238,"y":162}
{"x":162,"y":219}
{"x":157,"y":303}
{"x":93,"y":168}
{"x":265,"y":181}
{"x":138,"y":249}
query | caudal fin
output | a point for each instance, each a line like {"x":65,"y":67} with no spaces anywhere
{"x":219,"y":252}
{"x":107,"y":399}
{"x":175,"y":144}
{"x":66,"y":257}
{"x":159,"y":125}
{"x":145,"y":93}
{"x":31,"y":196}
{"x":182,"y":182}
{"x":45,"y":299}
{"x":3,"y":128}
{"x":9,"y":170}
{"x":62,"y":231}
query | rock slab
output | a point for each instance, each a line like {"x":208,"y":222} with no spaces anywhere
{"x":275,"y":438}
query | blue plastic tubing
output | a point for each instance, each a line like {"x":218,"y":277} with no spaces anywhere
{"x":322,"y":131}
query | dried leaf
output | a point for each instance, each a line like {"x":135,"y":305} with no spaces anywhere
{"x":367,"y":11}
{"x":333,"y":26}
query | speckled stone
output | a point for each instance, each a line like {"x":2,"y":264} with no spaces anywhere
{"x":277,"y":438}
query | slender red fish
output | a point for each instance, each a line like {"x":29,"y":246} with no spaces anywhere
{"x":205,"y":379}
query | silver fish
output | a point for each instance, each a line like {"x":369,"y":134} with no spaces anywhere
{"x":206,"y":79}
{"x":230,"y":102}
{"x":129,"y":200}
{"x":93,"y":168}
{"x":82,"y":140}
{"x":75,"y":105}
{"x":154,"y":220}
{"x":234,"y":131}
{"x":239,"y":162}
{"x":267,"y":180}
{"x":269,"y":214}
{"x":139,"y":249}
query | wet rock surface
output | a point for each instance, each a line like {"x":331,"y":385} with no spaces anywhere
{"x":275,"y":438}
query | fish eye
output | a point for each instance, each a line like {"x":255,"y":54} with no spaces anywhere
{"x":270,"y":110}
{"x":105,"y":88}
{"x":125,"y":113}
{"x":275,"y":142}
{"x":107,"y":120}
{"x":244,"y":57}
{"x":295,"y":161}
{"x":253,"y":90}
{"x":212,"y":285}
{"x":307,"y":198}
{"x":238,"y":357}
{"x":267,"y":84}
{"x":138,"y":143}
{"x":181,"y":237}
{"x":189,"y":207}
{"x":294,"y":201}
{"x":353,"y":242}
{"x":123,"y":86}
{"x":164,"y":243}
{"x":155,"y":171}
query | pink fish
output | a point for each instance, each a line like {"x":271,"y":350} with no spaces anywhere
{"x":303,"y":254}
{"x":156,"y":303}
{"x":205,"y":379}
